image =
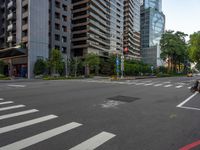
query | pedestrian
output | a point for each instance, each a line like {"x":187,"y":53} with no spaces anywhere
{"x":196,"y":86}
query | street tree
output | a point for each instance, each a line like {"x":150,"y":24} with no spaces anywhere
{"x":91,"y":63}
{"x":56,"y":62}
{"x":173,"y":49}
{"x":76,"y":66}
{"x":194,"y":47}
{"x":40,"y":67}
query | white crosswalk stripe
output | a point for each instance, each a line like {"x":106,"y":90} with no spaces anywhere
{"x":26,"y":123}
{"x":15,"y":85}
{"x":139,"y":83}
{"x":166,"y":84}
{"x":169,"y":85}
{"x":40,"y":137}
{"x":11,"y":107}
{"x":179,"y":86}
{"x":1,"y":99}
{"x":8,"y":102}
{"x":94,"y":142}
{"x":18,"y":114}
{"x":89,"y":144}
{"x":149,"y":84}
{"x":156,"y":85}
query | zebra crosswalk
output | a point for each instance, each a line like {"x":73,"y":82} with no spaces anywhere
{"x":89,"y":144}
{"x":143,"y":83}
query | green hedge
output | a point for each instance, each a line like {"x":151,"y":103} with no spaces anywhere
{"x":3,"y":77}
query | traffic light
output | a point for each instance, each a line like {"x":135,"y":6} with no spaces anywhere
{"x":125,"y":50}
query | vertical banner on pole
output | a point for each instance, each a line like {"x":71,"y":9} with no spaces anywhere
{"x":117,"y":66}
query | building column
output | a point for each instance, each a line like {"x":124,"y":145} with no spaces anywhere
{"x":10,"y":67}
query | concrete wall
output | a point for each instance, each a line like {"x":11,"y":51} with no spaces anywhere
{"x":38,"y":32}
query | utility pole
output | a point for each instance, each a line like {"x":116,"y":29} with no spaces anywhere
{"x":66,"y":64}
{"x":76,"y":66}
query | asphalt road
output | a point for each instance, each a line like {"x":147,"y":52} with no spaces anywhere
{"x":148,"y":114}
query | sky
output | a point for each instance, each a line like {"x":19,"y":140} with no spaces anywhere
{"x":182,"y":15}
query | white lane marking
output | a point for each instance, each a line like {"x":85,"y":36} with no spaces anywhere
{"x":179,"y":86}
{"x":191,"y":108}
{"x":40,"y":137}
{"x":1,"y":99}
{"x":18,"y":114}
{"x":189,"y":87}
{"x":26,"y":123}
{"x":8,"y":102}
{"x":15,"y":85}
{"x":94,"y":142}
{"x":158,"y":85}
{"x":169,"y":85}
{"x":187,"y":100}
{"x":11,"y":107}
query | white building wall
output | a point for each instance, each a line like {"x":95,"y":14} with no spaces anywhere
{"x":38,"y":32}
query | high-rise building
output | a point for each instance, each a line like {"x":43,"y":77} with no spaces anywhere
{"x":29,"y":29}
{"x":97,"y":27}
{"x":132,"y":28}
{"x":152,"y":28}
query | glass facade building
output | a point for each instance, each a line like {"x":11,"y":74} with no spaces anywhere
{"x":152,"y":28}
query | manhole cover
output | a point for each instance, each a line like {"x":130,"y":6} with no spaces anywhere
{"x":126,"y":99}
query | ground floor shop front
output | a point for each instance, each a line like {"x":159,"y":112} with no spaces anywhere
{"x":16,"y":66}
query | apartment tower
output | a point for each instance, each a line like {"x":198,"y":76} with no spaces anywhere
{"x":29,"y":30}
{"x":132,"y":29}
{"x":97,"y":27}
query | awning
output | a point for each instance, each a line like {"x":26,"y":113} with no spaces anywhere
{"x":12,"y":51}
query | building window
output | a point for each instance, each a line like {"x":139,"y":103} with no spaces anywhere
{"x":57,"y":15}
{"x":64,"y":39}
{"x":57,"y":47}
{"x":64,"y":7}
{"x":64,"y":28}
{"x":57,"y":26}
{"x":64,"y":18}
{"x":57,"y":4}
{"x":57,"y":37}
{"x":64,"y":50}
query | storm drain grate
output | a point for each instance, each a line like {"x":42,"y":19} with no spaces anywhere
{"x":126,"y":99}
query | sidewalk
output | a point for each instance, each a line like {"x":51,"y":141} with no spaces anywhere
{"x":19,"y":80}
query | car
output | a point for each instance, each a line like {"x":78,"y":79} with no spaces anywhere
{"x":189,"y":74}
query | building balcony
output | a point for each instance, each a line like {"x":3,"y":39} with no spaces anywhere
{"x":2,"y":36}
{"x":10,"y":27}
{"x":25,"y":27}
{"x":10,"y":39}
{"x":25,"y":39}
{"x":11,"y":16}
{"x":24,"y":3}
{"x":3,"y":6}
{"x":25,"y":14}
{"x":10,"y":4}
